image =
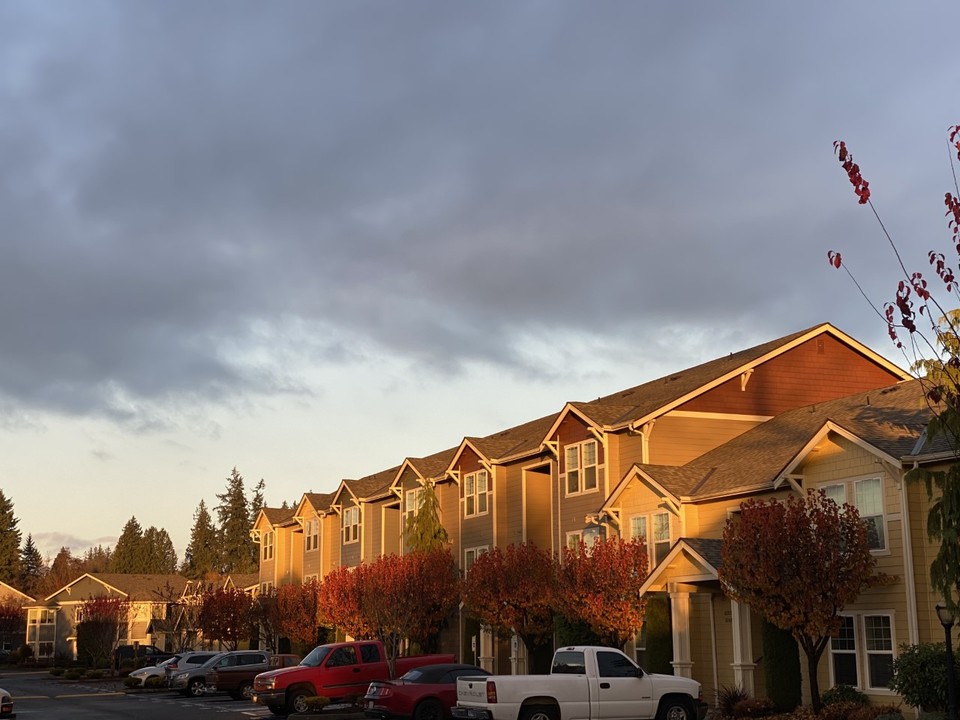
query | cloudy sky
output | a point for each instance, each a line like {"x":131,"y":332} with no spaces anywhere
{"x":311,"y":239}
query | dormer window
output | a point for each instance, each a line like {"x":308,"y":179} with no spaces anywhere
{"x":351,"y":524}
{"x":267,"y":549}
{"x":582,"y":467}
{"x":411,"y":504}
{"x":476,"y":489}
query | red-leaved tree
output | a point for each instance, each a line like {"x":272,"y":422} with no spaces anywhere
{"x":797,"y":563}
{"x":600,"y":585}
{"x":340,"y":601}
{"x":226,"y":616}
{"x":297,"y":608}
{"x":512,"y":590}
{"x":99,"y":621}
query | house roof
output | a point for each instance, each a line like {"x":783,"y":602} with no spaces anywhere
{"x":277,"y":516}
{"x":135,"y":586}
{"x":370,"y":487}
{"x":888,"y":419}
{"x":242,"y":581}
{"x":655,"y":397}
{"x":319,"y":501}
{"x":11,"y":591}
{"x":518,"y":441}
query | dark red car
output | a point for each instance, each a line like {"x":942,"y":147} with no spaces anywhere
{"x":424,"y":693}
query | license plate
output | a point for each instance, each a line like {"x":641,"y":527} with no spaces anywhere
{"x":369,"y":704}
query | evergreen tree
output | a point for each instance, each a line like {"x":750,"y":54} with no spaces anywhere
{"x":203,"y":553}
{"x":97,"y":560}
{"x":423,"y":530}
{"x":32,"y":567}
{"x":238,"y":550}
{"x":63,"y":570}
{"x":159,"y":553}
{"x":9,"y":542}
{"x":129,"y":555}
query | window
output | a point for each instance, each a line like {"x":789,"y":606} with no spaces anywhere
{"x":370,"y":653}
{"x":266,"y":587}
{"x":351,"y":524}
{"x":573,"y":540}
{"x":476,"y":488}
{"x":411,"y":504}
{"x":581,"y":467}
{"x":307,"y":579}
{"x":866,"y":496}
{"x":470,"y":556}
{"x":613,"y":664}
{"x":312,"y":533}
{"x":569,"y":662}
{"x":343,"y":656}
{"x":862,"y":654}
{"x":267,"y":549}
{"x":658,"y":543}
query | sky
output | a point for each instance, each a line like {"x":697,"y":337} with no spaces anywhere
{"x":308,"y":240}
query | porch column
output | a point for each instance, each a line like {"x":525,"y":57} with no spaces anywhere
{"x":486,"y":649}
{"x":743,"y":664}
{"x":518,"y":656}
{"x":680,"y":617}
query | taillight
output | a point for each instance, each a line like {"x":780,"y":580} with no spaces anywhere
{"x":491,"y":691}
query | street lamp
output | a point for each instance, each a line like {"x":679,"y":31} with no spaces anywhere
{"x":946,"y":619}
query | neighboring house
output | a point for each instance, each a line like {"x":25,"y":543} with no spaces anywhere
{"x":52,"y":622}
{"x":12,"y":627}
{"x":281,"y":547}
{"x":669,"y":461}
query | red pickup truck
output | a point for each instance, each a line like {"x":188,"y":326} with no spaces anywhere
{"x":338,"y":671}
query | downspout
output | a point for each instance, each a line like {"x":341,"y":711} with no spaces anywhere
{"x":908,"y":567}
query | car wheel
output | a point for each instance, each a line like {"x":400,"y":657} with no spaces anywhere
{"x":297,"y":701}
{"x":540,"y":712}
{"x":196,"y":687}
{"x":245,"y":692}
{"x":674,"y":709}
{"x":429,"y":709}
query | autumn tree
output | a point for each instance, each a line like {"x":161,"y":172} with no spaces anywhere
{"x":423,"y":529}
{"x":297,"y":609}
{"x":9,"y":542}
{"x":340,"y":601}
{"x":99,"y":620}
{"x":798,"y":563}
{"x":203,"y":552}
{"x":923,"y":322}
{"x":63,"y":569}
{"x":32,"y":567}
{"x":225,"y":616}
{"x":513,"y":590}
{"x":13,"y":622}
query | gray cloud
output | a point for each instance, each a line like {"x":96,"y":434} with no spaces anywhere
{"x":195,"y":196}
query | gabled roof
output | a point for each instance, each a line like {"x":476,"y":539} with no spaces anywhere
{"x":704,"y":554}
{"x":272,"y":516}
{"x":319,"y":502}
{"x":507,"y":445}
{"x":433,"y":467}
{"x":639,"y":404}
{"x":888,"y":421}
{"x":367,"y":489}
{"x":11,"y":591}
{"x":134,"y":586}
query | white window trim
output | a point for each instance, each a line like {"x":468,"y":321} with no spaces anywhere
{"x":267,"y":549}
{"x":860,"y":652}
{"x":308,"y":578}
{"x":312,"y":534}
{"x":477,"y":551}
{"x":412,"y":500}
{"x":849,"y":493}
{"x":573,"y":539}
{"x":652,"y":546}
{"x":599,"y":468}
{"x":476,"y":494}
{"x":351,"y":526}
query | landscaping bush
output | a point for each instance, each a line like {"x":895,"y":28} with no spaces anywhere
{"x":920,"y":676}
{"x":781,"y":652}
{"x":73,"y":674}
{"x":94,"y":674}
{"x":844,"y":693}
{"x":130,"y":682}
{"x":727,"y":699}
{"x":840,"y":710}
{"x":56,"y":671}
{"x":754,"y":708}
{"x":155,"y":681}
{"x":24,"y":654}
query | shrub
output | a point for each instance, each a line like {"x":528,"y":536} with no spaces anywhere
{"x":920,"y":675}
{"x":128,"y":664}
{"x":94,"y":674}
{"x":24,"y":654}
{"x":844,"y":693}
{"x":56,"y":671}
{"x":130,"y":682}
{"x":839,"y":710}
{"x":727,"y":699}
{"x":753,"y":708}
{"x":73,"y":674}
{"x":155,"y":681}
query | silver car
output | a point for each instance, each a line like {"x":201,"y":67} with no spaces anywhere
{"x":187,"y":660}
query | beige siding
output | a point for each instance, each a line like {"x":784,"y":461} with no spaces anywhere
{"x":538,"y":511}
{"x":676,"y":440}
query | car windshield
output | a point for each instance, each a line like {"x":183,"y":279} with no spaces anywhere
{"x":316,"y":656}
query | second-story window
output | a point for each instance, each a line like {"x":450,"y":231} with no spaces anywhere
{"x":582,"y":467}
{"x":351,"y":524}
{"x":476,"y":488}
{"x":267,"y":550}
{"x":312,"y":533}
{"x":470,"y":556}
{"x":655,"y":531}
{"x":867,"y":496}
{"x":411,"y":504}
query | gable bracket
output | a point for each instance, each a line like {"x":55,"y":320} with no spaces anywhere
{"x":670,"y":504}
{"x":553,"y":446}
{"x":487,"y":466}
{"x":454,"y":475}
{"x":795,"y":481}
{"x":745,"y":378}
{"x":596,"y":433}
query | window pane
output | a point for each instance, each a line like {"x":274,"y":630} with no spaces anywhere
{"x":590,"y":478}
{"x":661,"y":550}
{"x":845,"y":669}
{"x":482,"y":481}
{"x":881,"y":670}
{"x":468,"y":508}
{"x":573,"y":481}
{"x":836,"y":493}
{"x":573,"y":458}
{"x":845,"y":639}
{"x":638,"y":527}
{"x":869,"y":497}
{"x":482,"y":503}
{"x":661,"y":527}
{"x":589,"y":454}
{"x":875,"y":534}
{"x":878,"y":632}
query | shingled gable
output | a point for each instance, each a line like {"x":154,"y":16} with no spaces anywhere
{"x":637,"y":405}
{"x":431,"y":468}
{"x":366,"y":489}
{"x":316,"y":502}
{"x":886,"y":421}
{"x":268,"y":519}
{"x":505,"y":446}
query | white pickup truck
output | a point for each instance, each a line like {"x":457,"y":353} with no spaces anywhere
{"x":585,"y":683}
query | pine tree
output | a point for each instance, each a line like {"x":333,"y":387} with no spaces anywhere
{"x":9,"y":542}
{"x":423,"y":530}
{"x":238,"y":550}
{"x":32,"y":567}
{"x":203,"y":553}
{"x":129,"y":555}
{"x":160,"y":556}
{"x":63,"y":570}
{"x":97,"y":559}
